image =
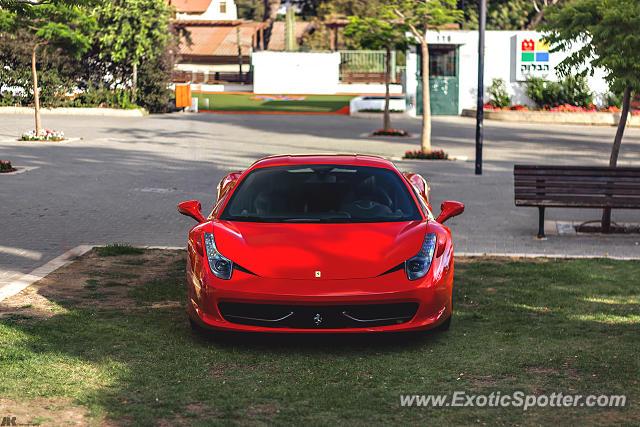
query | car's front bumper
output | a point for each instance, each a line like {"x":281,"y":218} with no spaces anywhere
{"x":325,"y":298}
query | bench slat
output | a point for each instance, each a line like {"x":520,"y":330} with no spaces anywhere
{"x":560,"y":191}
{"x":631,"y":173}
{"x":577,"y":184}
{"x":578,"y":204}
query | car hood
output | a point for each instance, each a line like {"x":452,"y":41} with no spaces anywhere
{"x":337,"y":251}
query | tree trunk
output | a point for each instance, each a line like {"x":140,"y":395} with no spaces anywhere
{"x":270,"y":12}
{"x":134,"y":87}
{"x":387,"y":81}
{"x":36,"y":92}
{"x":425,"y":142}
{"x":613,"y":160}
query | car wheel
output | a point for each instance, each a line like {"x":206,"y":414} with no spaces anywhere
{"x":446,"y":324}
{"x":197,"y":328}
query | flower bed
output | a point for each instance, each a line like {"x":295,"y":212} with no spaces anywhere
{"x":433,"y":155}
{"x":47,"y":135}
{"x":566,"y":108}
{"x":5,"y":166}
{"x":390,"y":132}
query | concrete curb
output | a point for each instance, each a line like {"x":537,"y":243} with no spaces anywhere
{"x":28,"y":279}
{"x":555,"y":117}
{"x":539,"y":255}
{"x":104,"y":112}
{"x":41,"y":272}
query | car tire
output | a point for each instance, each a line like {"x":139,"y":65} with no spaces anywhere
{"x":197,"y":328}
{"x":444,"y":326}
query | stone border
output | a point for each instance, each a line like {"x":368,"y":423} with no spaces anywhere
{"x":555,"y":117}
{"x":25,"y":280}
{"x":28,"y":279}
{"x":20,"y":169}
{"x":68,"y":111}
{"x":541,"y":255}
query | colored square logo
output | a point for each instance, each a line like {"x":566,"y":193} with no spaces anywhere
{"x":528,"y":56}
{"x":542,"y":46}
{"x":541,"y":56}
{"x":528,"y":45}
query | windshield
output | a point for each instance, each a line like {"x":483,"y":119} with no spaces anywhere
{"x":321,"y":193}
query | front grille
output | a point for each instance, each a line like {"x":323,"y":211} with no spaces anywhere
{"x":317,"y":317}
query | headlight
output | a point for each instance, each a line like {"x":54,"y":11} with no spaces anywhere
{"x":220,"y":266}
{"x":418,"y":266}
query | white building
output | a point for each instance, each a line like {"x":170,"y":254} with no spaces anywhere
{"x":509,"y":55}
{"x":205,"y":10}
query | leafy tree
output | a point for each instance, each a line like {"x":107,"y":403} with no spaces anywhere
{"x":132,"y":31}
{"x":58,"y":72}
{"x":608,"y":33}
{"x":421,"y":16}
{"x":382,"y":32}
{"x":51,"y":25}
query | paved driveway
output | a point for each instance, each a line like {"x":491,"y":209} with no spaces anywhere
{"x":119,"y":179}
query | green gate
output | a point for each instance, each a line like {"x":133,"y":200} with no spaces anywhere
{"x":443,"y":80}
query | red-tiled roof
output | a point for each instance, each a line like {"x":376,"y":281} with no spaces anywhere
{"x":191,"y":6}
{"x":214,"y":40}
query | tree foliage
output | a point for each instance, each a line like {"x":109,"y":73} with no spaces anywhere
{"x":600,"y":33}
{"x":422,"y":16}
{"x":381,"y":32}
{"x":132,"y":31}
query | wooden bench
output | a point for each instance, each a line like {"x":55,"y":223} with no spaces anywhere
{"x":575,"y":187}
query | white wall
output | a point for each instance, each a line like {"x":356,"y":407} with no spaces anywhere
{"x":295,"y":72}
{"x":500,"y":62}
{"x":213,"y":12}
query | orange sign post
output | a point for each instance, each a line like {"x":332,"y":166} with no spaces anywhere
{"x":183,"y":95}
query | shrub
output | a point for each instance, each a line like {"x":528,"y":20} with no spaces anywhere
{"x":433,"y":155}
{"x":612,"y":99}
{"x":547,"y":94}
{"x":100,"y":97}
{"x":498,"y":95}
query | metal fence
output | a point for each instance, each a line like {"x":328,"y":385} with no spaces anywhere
{"x":180,"y":76}
{"x":366,"y":66}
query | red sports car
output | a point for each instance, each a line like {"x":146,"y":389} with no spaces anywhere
{"x":320,"y":243}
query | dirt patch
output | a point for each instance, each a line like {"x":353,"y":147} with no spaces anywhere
{"x":542,"y":371}
{"x":46,"y":412}
{"x":255,"y":412}
{"x":486,"y":381}
{"x":90,"y":281}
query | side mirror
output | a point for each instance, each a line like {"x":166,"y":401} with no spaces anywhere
{"x":191,"y":208}
{"x":448,"y":210}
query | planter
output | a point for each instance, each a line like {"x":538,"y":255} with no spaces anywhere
{"x":6,"y":167}
{"x":391,"y":132}
{"x":556,"y":117}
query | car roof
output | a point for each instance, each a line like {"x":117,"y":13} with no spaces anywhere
{"x":319,"y":159}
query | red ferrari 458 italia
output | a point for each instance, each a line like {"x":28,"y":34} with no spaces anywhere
{"x":320,"y":243}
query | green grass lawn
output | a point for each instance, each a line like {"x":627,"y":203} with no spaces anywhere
{"x":121,"y":348}
{"x":243,"y":102}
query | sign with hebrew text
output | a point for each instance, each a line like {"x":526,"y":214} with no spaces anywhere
{"x":532,"y":58}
